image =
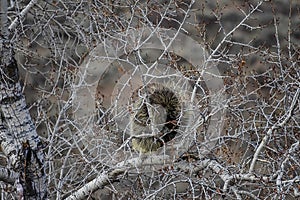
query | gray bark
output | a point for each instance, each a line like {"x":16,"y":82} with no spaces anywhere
{"x":18,"y":136}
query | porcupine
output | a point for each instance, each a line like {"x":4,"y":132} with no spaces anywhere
{"x":156,"y":116}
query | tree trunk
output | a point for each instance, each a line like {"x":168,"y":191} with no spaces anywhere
{"x":18,"y":136}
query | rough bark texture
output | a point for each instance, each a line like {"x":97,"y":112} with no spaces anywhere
{"x":19,"y":139}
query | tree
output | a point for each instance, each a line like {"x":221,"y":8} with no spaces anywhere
{"x":19,"y":139}
{"x":150,"y":99}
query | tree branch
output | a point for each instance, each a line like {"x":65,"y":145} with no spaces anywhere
{"x":8,"y":176}
{"x":108,"y":176}
{"x":16,"y":21}
{"x":270,"y":131}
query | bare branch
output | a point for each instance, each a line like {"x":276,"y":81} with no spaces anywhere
{"x":8,"y":176}
{"x":280,"y":123}
{"x":22,"y":14}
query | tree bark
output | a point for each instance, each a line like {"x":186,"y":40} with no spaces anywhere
{"x":19,"y":139}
